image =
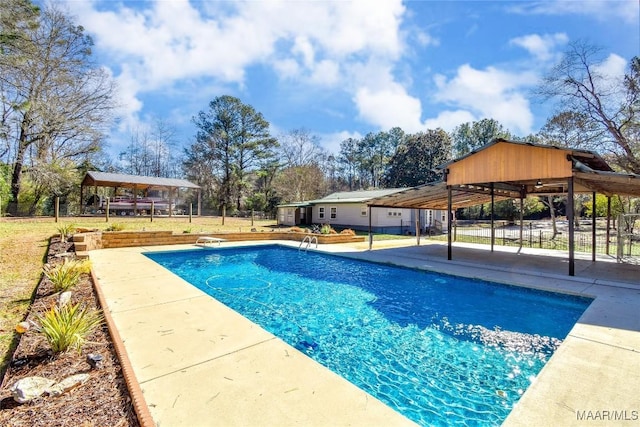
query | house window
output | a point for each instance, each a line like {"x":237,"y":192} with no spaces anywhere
{"x":290,"y":214}
{"x":334,"y":212}
{"x":363,"y":211}
{"x":394,"y":213}
{"x":320,"y":213}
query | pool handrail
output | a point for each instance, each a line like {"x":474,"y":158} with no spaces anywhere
{"x":309,"y":240}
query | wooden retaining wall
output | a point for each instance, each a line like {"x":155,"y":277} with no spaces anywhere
{"x":91,"y":240}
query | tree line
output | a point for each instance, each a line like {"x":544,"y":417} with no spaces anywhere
{"x":57,"y":104}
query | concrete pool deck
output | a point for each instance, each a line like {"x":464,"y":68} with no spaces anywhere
{"x":200,"y":363}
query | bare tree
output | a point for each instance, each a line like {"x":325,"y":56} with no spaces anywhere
{"x":571,"y":129}
{"x":582,"y":85}
{"x":151,"y":152}
{"x":300,"y":148}
{"x":60,"y":101}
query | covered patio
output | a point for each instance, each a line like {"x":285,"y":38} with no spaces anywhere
{"x":504,"y":170}
{"x":136,"y":184}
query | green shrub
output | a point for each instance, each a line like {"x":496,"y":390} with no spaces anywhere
{"x":66,"y":275}
{"x":68,"y":327}
{"x":115,"y":227}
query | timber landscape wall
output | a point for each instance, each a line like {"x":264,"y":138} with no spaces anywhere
{"x":92,"y":240}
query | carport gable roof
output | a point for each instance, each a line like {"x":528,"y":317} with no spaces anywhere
{"x":105,"y":179}
{"x":434,"y":195}
{"x":513,"y":170}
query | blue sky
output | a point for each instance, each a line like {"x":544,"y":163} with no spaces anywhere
{"x":342,"y":69}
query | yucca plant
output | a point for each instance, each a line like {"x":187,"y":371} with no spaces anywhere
{"x":68,"y":327}
{"x":115,"y":227}
{"x":65,"y":230}
{"x":66,"y":275}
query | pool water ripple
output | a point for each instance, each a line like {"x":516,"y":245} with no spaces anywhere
{"x":439,"y":349}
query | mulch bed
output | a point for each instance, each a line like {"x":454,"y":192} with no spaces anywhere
{"x":103,"y":400}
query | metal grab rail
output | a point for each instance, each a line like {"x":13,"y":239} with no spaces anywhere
{"x":309,"y":240}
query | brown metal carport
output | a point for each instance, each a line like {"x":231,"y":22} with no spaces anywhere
{"x":136,"y":183}
{"x":506,"y":169}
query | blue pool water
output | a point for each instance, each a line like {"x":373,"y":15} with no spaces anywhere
{"x":440,"y":349}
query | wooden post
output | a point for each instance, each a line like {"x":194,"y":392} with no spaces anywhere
{"x":95,"y":198}
{"x":450,"y":221}
{"x":417,"y":211}
{"x":252,"y":214}
{"x":570,"y":218}
{"x":106,"y":215}
{"x":153,"y":208}
{"x":135,"y":200}
{"x":521,"y":219}
{"x":190,"y":212}
{"x":199,"y":203}
{"x":593,"y":227}
{"x":370,"y":232}
{"x":493,"y":231}
{"x":224,"y":212}
{"x":56,"y":208}
{"x":608,"y":223}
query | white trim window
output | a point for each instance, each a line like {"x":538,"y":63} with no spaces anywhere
{"x":321,"y":212}
{"x":363,"y":210}
{"x":334,"y":212}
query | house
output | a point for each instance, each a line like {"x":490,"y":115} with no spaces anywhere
{"x":294,"y":214}
{"x":349,"y":209}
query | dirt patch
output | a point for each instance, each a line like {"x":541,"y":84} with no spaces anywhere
{"x":103,"y":400}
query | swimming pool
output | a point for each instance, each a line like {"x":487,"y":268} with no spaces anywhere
{"x":439,"y":349}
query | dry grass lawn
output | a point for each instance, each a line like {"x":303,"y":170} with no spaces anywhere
{"x":23,"y":245}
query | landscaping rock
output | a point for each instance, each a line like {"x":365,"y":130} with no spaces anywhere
{"x":67,"y":384}
{"x":94,"y":360}
{"x":64,"y":298}
{"x":29,"y":388}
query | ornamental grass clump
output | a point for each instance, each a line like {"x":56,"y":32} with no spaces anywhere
{"x":65,"y":230}
{"x":66,"y":275}
{"x":115,"y":227}
{"x":68,"y":327}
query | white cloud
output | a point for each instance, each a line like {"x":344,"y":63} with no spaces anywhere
{"x":489,"y":93}
{"x":448,"y":120}
{"x":605,"y":10}
{"x":613,"y":67}
{"x":287,"y":68}
{"x":326,"y":73}
{"x":171,"y":40}
{"x":542,"y":47}
{"x":424,"y":39}
{"x":388,"y":107}
{"x":159,"y":45}
{"x":304,"y":47}
{"x":331,"y":141}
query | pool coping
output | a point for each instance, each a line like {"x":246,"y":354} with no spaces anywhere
{"x":556,"y":397}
